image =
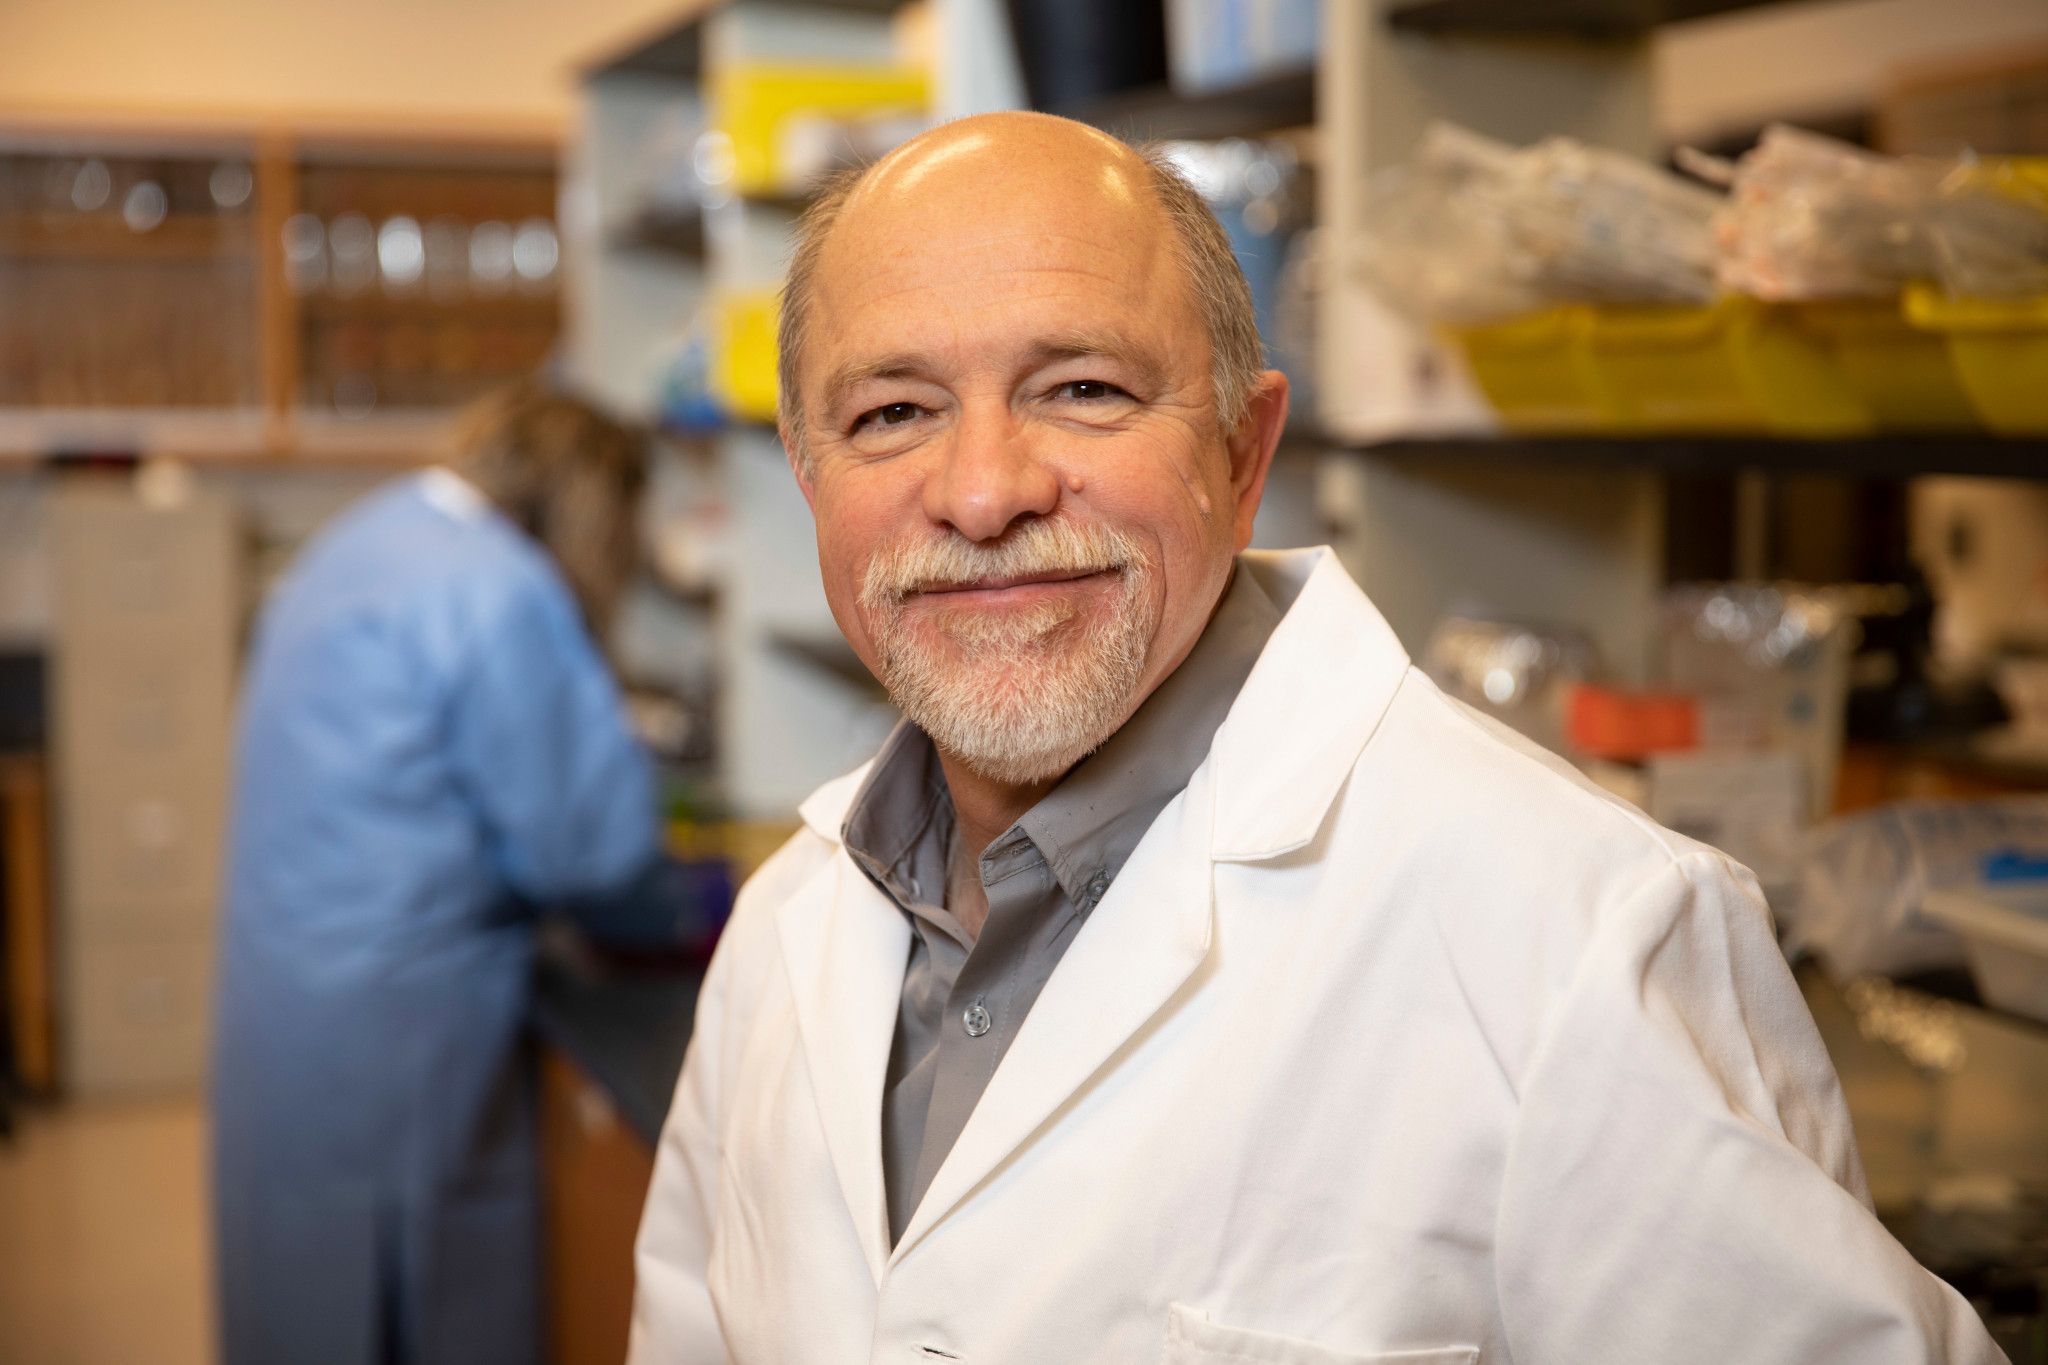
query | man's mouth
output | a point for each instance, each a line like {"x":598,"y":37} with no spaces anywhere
{"x":1009,"y":582}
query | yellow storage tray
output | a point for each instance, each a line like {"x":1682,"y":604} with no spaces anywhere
{"x":743,"y":352}
{"x":1533,"y":371}
{"x":1904,"y":375}
{"x":754,"y":104}
{"x":1732,"y":366}
{"x":2000,"y":350}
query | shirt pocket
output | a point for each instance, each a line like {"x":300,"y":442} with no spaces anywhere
{"x":1192,"y":1339}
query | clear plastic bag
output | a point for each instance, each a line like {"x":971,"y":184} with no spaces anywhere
{"x":1811,"y":217}
{"x":1990,"y":230}
{"x":1476,"y":230}
{"x":1864,"y":877}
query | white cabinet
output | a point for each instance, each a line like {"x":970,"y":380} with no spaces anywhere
{"x":143,"y":658}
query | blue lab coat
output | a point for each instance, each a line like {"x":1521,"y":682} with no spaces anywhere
{"x":429,"y":748}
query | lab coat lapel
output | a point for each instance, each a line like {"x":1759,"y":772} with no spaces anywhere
{"x":1136,"y":951}
{"x":846,"y":946}
{"x":1279,"y":760}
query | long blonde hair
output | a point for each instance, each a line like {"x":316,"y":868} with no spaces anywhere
{"x":568,"y":476}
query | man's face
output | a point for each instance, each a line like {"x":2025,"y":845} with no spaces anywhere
{"x":1026,"y":507}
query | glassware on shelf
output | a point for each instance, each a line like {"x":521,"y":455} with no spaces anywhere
{"x":145,"y":206}
{"x":352,"y":253}
{"x":536,"y":253}
{"x":446,"y":246}
{"x":230,"y":184}
{"x":490,"y":257}
{"x":401,"y":254}
{"x":305,"y":253}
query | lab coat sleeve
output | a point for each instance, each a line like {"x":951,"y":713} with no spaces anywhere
{"x":540,"y":741}
{"x":1682,"y":1184}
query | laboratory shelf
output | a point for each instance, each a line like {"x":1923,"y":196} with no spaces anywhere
{"x":1267,"y":105}
{"x":678,"y":232}
{"x":1599,"y":20}
{"x":1879,"y":457}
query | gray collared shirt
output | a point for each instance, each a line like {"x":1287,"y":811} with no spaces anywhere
{"x":964,"y":999}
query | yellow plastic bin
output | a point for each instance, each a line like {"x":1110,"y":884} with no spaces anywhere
{"x":744,"y":356}
{"x":1533,"y":371}
{"x":1903,"y":374}
{"x":2000,"y":350}
{"x":1731,"y":366}
{"x":759,"y":105}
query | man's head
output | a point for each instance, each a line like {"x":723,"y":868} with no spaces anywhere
{"x":1021,"y":389}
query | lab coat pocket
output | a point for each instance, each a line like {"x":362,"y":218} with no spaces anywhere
{"x":1191,"y":1339}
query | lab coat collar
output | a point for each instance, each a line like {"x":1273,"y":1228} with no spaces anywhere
{"x":454,"y":496}
{"x":1306,"y":712}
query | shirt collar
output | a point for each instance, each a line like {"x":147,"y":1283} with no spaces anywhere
{"x":1086,"y":828}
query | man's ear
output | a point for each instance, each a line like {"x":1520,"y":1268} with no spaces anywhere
{"x":1251,"y":444}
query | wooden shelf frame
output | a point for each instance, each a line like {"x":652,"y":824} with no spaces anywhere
{"x":278,"y":150}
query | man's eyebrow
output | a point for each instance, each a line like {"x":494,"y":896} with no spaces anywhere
{"x":904,"y":366}
{"x":1082,"y":345}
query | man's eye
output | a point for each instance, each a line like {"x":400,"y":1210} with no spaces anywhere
{"x":888,"y":415}
{"x":1087,"y":390}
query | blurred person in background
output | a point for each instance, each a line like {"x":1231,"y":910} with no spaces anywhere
{"x":431,"y":749}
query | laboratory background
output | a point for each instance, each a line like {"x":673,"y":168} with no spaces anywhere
{"x":1673,"y":374}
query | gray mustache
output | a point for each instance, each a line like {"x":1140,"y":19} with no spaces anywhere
{"x":1036,"y":547}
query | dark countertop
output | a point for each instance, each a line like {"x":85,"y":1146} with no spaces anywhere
{"x":625,"y":1024}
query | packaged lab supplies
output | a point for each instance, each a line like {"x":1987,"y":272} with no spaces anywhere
{"x":1811,"y":217}
{"x":1777,"y":653}
{"x":1865,"y":880}
{"x":2004,"y":929}
{"x":1519,"y":674}
{"x":1475,"y":230}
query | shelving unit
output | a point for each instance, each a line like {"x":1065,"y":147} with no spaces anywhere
{"x":795,"y":705}
{"x":1889,"y":457}
{"x":226,"y":348}
{"x":1268,"y":105}
{"x":1585,"y":20}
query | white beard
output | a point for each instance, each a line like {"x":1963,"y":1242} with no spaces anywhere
{"x":1016,"y":695}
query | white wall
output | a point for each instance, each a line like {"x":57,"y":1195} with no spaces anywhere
{"x":509,"y":59}
{"x":1733,"y":72}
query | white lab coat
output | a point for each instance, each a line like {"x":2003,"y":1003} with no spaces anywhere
{"x":1394,"y":1041}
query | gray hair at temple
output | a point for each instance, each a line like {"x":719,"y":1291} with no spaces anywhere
{"x":1222,"y":297}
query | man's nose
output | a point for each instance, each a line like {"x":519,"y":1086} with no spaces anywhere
{"x":989,"y":478}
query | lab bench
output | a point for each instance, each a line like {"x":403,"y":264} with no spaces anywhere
{"x":611,"y":1040}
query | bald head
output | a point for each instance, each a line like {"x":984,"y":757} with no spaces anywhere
{"x":969,"y":178}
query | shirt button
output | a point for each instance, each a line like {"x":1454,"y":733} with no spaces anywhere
{"x":975,"y":1020}
{"x":1097,"y":888}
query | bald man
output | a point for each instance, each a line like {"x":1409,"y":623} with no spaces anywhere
{"x":1187,"y":979}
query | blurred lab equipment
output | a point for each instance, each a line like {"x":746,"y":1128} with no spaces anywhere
{"x":1223,"y":44}
{"x":2004,"y":928}
{"x":1519,"y":674}
{"x":431,"y":752}
{"x":1475,"y":230}
{"x":1866,"y":880}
